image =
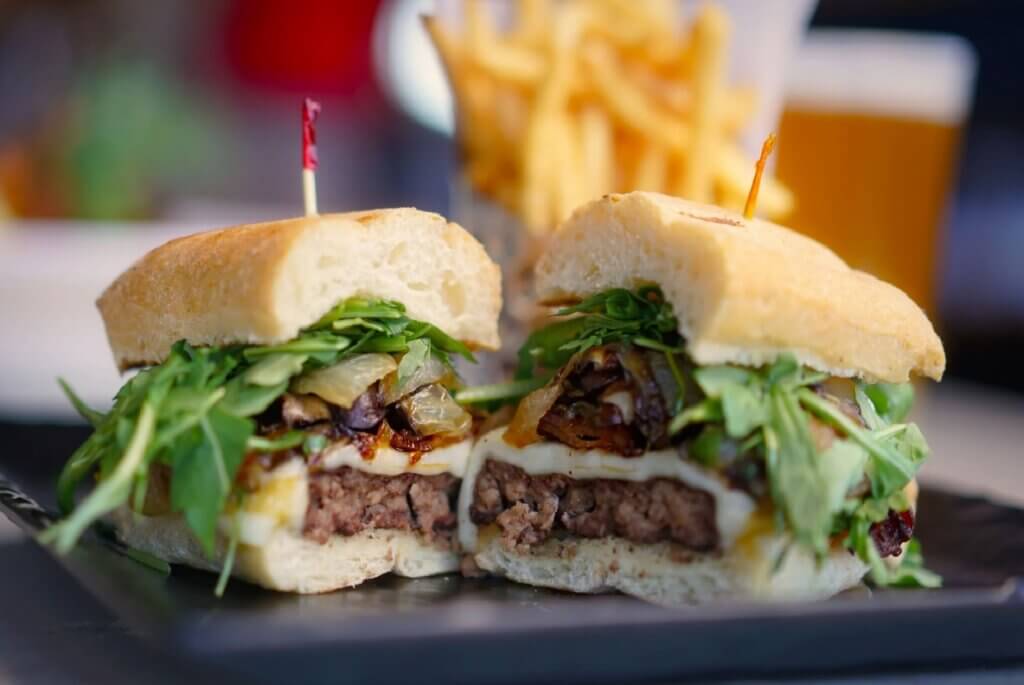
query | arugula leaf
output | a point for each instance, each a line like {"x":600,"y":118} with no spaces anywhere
{"x":892,"y":401}
{"x":203,"y":470}
{"x":708,"y":409}
{"x":94,"y":417}
{"x":440,"y":340}
{"x":911,"y":572}
{"x":843,"y":467}
{"x":618,"y":315}
{"x":714,"y":379}
{"x":243,"y":399}
{"x":111,"y":492}
{"x":81,"y":463}
{"x":274,"y":369}
{"x":867,"y":409}
{"x":322,"y":345}
{"x":234,"y":535}
{"x":414,"y":358}
{"x":313,"y":444}
{"x":360,"y":308}
{"x":796,"y":480}
{"x":889,"y":469}
{"x":283,"y":442}
{"x":744,"y":410}
{"x":498,"y":392}
{"x":546,"y":347}
{"x":859,"y":541}
{"x":707,"y":448}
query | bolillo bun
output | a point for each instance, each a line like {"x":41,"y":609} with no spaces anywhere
{"x":262,"y":283}
{"x":656,"y":573}
{"x":745,"y":291}
{"x":289,"y":562}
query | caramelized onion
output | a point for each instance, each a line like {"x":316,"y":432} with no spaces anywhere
{"x":342,"y":383}
{"x":522,"y":430}
{"x":431,"y":411}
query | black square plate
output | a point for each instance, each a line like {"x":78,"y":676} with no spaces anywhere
{"x":470,"y":631}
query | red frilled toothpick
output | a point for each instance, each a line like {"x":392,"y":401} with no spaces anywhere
{"x":310,"y":111}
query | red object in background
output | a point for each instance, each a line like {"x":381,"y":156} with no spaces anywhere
{"x":305,"y":45}
{"x":310,"y":111}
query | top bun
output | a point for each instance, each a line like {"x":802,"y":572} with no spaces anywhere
{"x":262,"y":283}
{"x":745,"y":291}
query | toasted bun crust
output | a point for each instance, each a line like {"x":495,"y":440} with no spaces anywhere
{"x":290,"y":562}
{"x":657,"y":574}
{"x":745,"y":291}
{"x":262,"y":283}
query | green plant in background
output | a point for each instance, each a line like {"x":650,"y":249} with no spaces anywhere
{"x":132,"y":133}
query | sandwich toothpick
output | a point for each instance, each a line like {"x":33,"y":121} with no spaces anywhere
{"x":766,"y":149}
{"x":310,"y":111}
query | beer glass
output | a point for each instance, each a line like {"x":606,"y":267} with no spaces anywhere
{"x":868,"y":143}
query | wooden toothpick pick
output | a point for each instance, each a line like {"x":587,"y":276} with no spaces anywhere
{"x":755,"y":186}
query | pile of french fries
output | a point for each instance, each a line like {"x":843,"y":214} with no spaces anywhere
{"x":579,"y":98}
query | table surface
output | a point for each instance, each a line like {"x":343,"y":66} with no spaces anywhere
{"x":66,"y":636}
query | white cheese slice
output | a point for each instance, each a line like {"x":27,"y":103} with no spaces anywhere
{"x":732,"y":507}
{"x":280,"y":501}
{"x":391,"y":462}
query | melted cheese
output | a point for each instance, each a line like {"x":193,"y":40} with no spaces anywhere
{"x":732,"y":507}
{"x":280,"y":501}
{"x":390,"y":462}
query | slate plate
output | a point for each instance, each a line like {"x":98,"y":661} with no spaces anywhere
{"x":468,"y":631}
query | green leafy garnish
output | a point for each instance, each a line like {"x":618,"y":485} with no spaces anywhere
{"x":893,"y":401}
{"x":419,"y":351}
{"x":911,"y":571}
{"x":642,"y":317}
{"x":313,"y":444}
{"x":499,"y":392}
{"x":795,"y":474}
{"x":85,"y":411}
{"x":229,"y":559}
{"x":194,"y":413}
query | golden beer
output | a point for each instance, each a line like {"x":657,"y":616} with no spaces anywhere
{"x":868,"y":142}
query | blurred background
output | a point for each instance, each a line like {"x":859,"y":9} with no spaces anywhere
{"x":122,"y":123}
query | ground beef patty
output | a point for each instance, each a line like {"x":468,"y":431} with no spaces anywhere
{"x":348,"y":501}
{"x":529,"y":509}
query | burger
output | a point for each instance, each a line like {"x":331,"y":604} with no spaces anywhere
{"x":716,"y":411}
{"x":292,"y":421}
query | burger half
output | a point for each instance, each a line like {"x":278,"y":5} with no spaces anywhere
{"x":720,"y":415}
{"x":292,"y":422}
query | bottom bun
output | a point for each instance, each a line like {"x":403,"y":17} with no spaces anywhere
{"x":289,"y":562}
{"x":664,"y":574}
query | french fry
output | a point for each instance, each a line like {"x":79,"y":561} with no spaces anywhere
{"x":542,"y":179}
{"x":711,"y":35}
{"x":535,"y":201}
{"x":479,"y":30}
{"x":628,"y":104}
{"x":579,"y":98}
{"x":570,"y":184}
{"x":506,"y":61}
{"x":597,"y":151}
{"x":510,"y":114}
{"x":652,"y":169}
{"x":534,"y":22}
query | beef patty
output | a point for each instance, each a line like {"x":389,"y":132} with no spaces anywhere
{"x":348,"y":501}
{"x":530,"y":509}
